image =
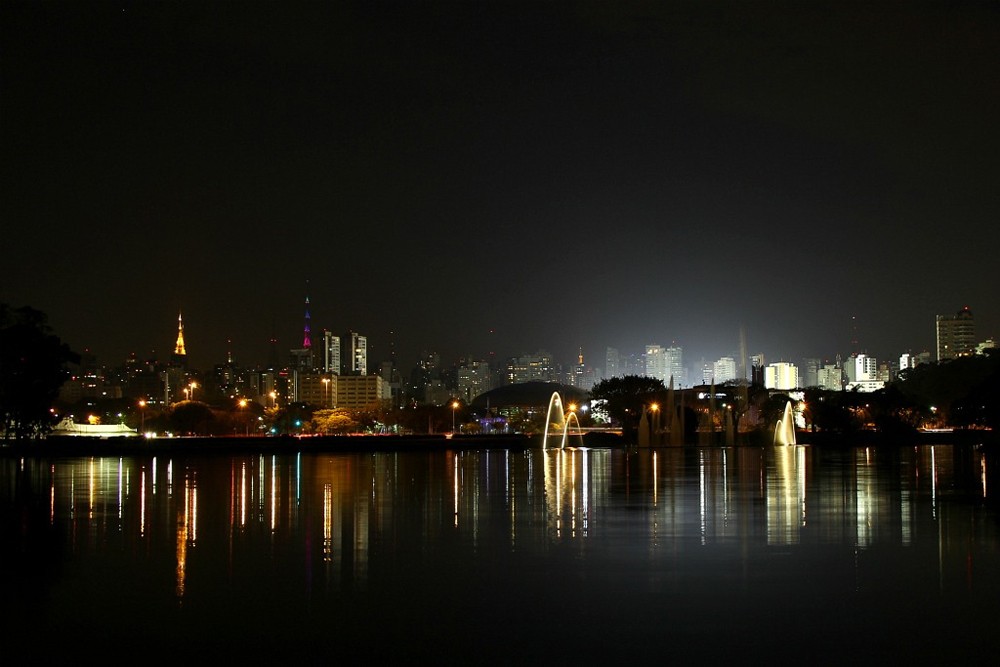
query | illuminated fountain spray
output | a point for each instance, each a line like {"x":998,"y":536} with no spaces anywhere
{"x":784,"y":430}
{"x":556,"y":417}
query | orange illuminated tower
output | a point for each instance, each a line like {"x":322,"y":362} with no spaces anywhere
{"x":179,"y":356}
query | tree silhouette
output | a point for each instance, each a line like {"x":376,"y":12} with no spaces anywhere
{"x":626,"y":395}
{"x":32,"y":368}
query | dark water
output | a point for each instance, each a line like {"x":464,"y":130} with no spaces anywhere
{"x":694,"y":555}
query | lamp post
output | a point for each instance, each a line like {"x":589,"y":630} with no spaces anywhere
{"x":142,"y":416}
{"x":326,"y":392}
{"x":654,"y":426}
{"x":246,"y":425}
{"x":454,"y":406}
{"x":274,"y":398}
{"x":193,"y":385}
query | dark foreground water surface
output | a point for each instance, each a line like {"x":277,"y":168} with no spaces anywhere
{"x":773,"y":555}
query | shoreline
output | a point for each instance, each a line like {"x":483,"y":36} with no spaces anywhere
{"x":228,"y":445}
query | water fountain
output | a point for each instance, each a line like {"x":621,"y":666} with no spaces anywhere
{"x":563,"y":423}
{"x":784,"y":429}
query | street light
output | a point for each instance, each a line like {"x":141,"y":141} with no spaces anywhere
{"x":274,"y":398}
{"x":142,"y":416}
{"x":193,"y":385}
{"x":454,"y":406}
{"x":246,"y":425}
{"x":326,"y":392}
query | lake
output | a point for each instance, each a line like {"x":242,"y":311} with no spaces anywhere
{"x":688,"y":555}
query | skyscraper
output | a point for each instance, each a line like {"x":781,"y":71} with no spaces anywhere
{"x":956,"y":335}
{"x":656,"y":363}
{"x":675,"y":366}
{"x":781,"y":375}
{"x":612,"y":363}
{"x":331,"y":353}
{"x":724,"y":370}
{"x":355,"y":362}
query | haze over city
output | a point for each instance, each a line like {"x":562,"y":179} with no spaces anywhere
{"x":476,"y":178}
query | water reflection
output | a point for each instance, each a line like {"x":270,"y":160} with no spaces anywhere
{"x":543,"y":495}
{"x":681,"y":522}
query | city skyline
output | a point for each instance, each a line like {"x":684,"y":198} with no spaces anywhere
{"x":493,"y":178}
{"x":652,"y":360}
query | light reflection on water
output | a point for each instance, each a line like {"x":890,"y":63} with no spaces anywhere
{"x":402,"y":554}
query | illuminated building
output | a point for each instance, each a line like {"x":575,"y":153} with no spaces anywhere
{"x":473,"y":379}
{"x":656,"y":363}
{"x":356,"y":360}
{"x":861,"y":368}
{"x":664,"y":363}
{"x":531,"y":367}
{"x":675,"y":366}
{"x":357,"y":392}
{"x":331,"y":353}
{"x":956,"y":335}
{"x":987,"y":344}
{"x":612,"y":363}
{"x":757,"y":369}
{"x":830,"y":377}
{"x":781,"y":375}
{"x":317,"y":389}
{"x":724,"y":370}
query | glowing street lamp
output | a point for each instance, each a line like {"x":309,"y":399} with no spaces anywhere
{"x":246,"y":424}
{"x":142,"y":415}
{"x":193,"y":385}
{"x":326,"y":392}
{"x":274,"y":398}
{"x":454,"y":406}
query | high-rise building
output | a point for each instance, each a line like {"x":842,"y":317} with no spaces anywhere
{"x":356,"y":360}
{"x":612,"y":363}
{"x":531,"y":367}
{"x":781,"y":375}
{"x":956,"y":335}
{"x":830,"y":377}
{"x":656,"y":363}
{"x":362,"y":392}
{"x":675,"y":366}
{"x":861,"y":368}
{"x":810,"y":376}
{"x":757,"y":369}
{"x":331,"y":353}
{"x":474,"y":379}
{"x":724,"y":370}
{"x":302,"y":360}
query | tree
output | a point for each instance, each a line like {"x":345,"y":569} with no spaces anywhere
{"x":192,"y":418}
{"x":626,"y":395}
{"x":33,"y":365}
{"x":336,"y":421}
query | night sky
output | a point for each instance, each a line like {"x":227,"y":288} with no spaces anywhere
{"x":497,"y":177}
